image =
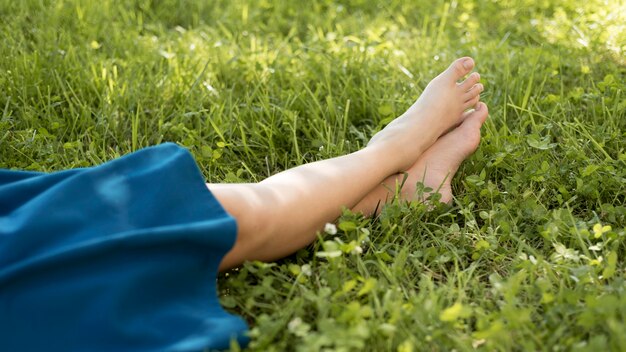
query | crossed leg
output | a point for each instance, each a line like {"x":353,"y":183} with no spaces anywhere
{"x":283,"y":213}
{"x":435,"y":168}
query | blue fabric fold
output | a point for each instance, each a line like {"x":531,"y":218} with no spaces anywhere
{"x":117,"y":257}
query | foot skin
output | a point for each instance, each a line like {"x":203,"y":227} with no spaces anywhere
{"x":438,"y":109}
{"x":437,"y":166}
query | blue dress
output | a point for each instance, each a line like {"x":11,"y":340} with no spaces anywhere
{"x":117,"y":257}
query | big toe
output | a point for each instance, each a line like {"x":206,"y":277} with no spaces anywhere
{"x":469,"y":131}
{"x":477,"y":117}
{"x":459,"y":68}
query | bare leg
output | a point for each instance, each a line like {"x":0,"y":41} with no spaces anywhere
{"x":435,"y":168}
{"x":281,"y":214}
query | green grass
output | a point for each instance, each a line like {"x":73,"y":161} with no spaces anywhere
{"x":251,"y":88}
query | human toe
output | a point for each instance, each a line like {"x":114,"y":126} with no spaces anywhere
{"x":474,"y":91}
{"x":459,"y":68}
{"x":471,"y":103}
{"x":470,"y":128}
{"x":478,"y":116}
{"x":471,"y":80}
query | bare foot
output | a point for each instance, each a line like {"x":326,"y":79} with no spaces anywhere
{"x":437,"y":166}
{"x":439,"y":108}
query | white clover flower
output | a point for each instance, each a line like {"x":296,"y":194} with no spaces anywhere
{"x":306,"y":270}
{"x":299,"y":328}
{"x":294,"y":324}
{"x":330,"y":229}
{"x":357,"y":250}
{"x":596,"y":247}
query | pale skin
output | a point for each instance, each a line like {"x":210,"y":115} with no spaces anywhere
{"x":286,"y":211}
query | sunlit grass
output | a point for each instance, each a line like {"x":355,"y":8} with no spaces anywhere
{"x":529,"y":257}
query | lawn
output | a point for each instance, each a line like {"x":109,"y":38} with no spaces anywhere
{"x":529,"y":256}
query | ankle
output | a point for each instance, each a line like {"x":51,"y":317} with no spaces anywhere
{"x":389,"y":156}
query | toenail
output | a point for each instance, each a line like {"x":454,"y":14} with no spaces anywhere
{"x":467,"y":64}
